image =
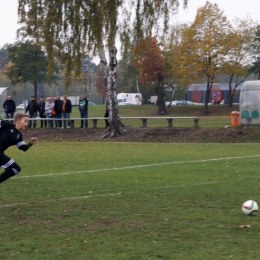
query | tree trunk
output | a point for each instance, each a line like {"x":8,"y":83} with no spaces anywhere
{"x":173,"y":92}
{"x":206,"y":104}
{"x":109,"y":73}
{"x":160,"y":99}
{"x":230,"y":102}
{"x":138,"y":90}
{"x":232,"y":93}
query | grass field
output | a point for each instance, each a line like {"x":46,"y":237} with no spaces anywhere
{"x":119,"y":201}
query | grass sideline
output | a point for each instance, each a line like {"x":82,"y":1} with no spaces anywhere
{"x":146,"y":201}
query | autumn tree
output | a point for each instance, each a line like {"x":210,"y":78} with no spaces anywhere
{"x":239,"y":65}
{"x":100,"y":84}
{"x":127,"y":76}
{"x":3,"y":56}
{"x":4,"y":60}
{"x":171,"y":44}
{"x":69,"y":28}
{"x":150,"y":62}
{"x":25,"y":66}
{"x":256,"y":63}
{"x":204,"y":48}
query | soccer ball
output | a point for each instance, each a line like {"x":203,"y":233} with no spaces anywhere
{"x":250,"y":208}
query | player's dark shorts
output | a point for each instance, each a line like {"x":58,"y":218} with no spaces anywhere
{"x":7,"y":162}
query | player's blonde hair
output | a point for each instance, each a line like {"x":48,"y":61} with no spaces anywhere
{"x":19,"y":115}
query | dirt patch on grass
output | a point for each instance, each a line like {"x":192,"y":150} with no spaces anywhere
{"x":139,"y":134}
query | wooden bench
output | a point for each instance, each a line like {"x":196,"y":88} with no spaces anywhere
{"x":169,"y":119}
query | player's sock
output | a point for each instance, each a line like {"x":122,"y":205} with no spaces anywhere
{"x":6,"y":175}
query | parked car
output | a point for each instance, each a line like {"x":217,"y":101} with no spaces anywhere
{"x":21,"y":106}
{"x":182,"y":102}
{"x":91,"y":103}
{"x":123,"y":103}
{"x":185,"y":102}
{"x":174,"y":103}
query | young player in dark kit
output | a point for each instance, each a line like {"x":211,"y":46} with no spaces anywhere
{"x":10,"y":135}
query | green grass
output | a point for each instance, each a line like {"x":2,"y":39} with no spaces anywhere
{"x":111,"y":200}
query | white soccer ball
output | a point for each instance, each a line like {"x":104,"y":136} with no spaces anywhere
{"x":250,"y":208}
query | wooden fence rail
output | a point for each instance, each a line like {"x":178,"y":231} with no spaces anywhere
{"x":170,"y":120}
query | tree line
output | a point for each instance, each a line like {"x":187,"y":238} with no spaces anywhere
{"x":154,"y":55}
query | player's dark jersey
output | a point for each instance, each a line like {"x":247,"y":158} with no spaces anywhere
{"x":10,"y":136}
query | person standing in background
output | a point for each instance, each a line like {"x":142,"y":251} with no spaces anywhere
{"x":58,"y":110}
{"x":42,"y":112}
{"x":83,"y":109}
{"x":33,"y":109}
{"x":66,"y":110}
{"x":9,"y":107}
{"x":49,"y":106}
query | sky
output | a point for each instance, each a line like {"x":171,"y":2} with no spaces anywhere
{"x":231,"y":8}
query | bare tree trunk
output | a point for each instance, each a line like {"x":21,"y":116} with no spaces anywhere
{"x":109,"y":73}
{"x":206,"y":104}
{"x":138,"y":90}
{"x":160,"y":99}
{"x":232,"y":93}
{"x":173,"y":92}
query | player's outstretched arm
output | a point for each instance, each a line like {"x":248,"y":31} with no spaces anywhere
{"x":24,"y":147}
{"x":34,"y":140}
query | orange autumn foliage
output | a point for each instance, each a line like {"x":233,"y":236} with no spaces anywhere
{"x":149,"y":61}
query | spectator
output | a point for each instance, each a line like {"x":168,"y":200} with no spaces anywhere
{"x":42,"y":112}
{"x":33,"y":109}
{"x":58,"y":110}
{"x":9,"y":107}
{"x":83,"y":110}
{"x":66,"y":110}
{"x":49,"y":107}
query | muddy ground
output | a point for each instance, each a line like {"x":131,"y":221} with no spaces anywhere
{"x":141,"y":134}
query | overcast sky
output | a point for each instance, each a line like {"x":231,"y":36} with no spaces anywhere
{"x":232,"y":9}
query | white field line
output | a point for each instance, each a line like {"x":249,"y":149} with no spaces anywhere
{"x":60,"y":199}
{"x":135,"y":166}
{"x":130,"y":167}
{"x":119,"y":193}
